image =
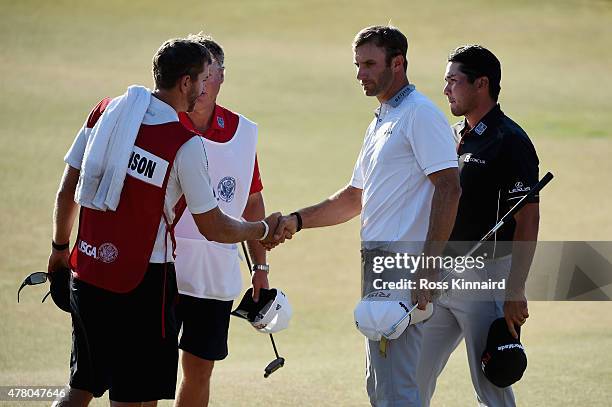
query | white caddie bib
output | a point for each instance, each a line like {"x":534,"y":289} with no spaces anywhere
{"x":208,"y":269}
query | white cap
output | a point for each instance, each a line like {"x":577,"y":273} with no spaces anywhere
{"x":270,"y":314}
{"x":376,"y":318}
{"x":275,"y":315}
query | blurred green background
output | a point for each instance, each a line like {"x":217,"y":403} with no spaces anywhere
{"x":289,"y":68}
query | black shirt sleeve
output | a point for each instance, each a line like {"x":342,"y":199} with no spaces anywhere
{"x":521,"y":167}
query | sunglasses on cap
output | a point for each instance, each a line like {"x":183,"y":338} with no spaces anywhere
{"x":38,"y":277}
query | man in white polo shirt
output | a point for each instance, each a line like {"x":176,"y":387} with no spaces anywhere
{"x":405,"y":186}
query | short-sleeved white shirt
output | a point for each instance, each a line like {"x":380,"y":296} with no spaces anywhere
{"x":188,"y":176}
{"x":408,"y":140}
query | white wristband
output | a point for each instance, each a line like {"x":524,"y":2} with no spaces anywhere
{"x":266,"y":231}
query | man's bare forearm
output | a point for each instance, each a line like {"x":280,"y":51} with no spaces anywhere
{"x":444,"y":206}
{"x":219,"y":227}
{"x":523,"y":247}
{"x":65,"y":209}
{"x":255,"y":210}
{"x":341,"y":207}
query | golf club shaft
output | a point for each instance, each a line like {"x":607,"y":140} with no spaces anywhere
{"x":246,"y":256}
{"x":517,"y":207}
{"x":274,"y":346}
{"x":394,"y":327}
{"x":248,"y":260}
{"x":536,"y":188}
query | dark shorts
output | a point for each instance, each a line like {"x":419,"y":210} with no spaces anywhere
{"x":126,"y":343}
{"x":205,"y":326}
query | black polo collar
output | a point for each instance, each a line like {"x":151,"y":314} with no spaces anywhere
{"x":488,"y":121}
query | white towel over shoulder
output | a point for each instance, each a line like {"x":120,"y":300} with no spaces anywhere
{"x":108,"y":150}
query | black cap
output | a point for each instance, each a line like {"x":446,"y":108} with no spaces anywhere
{"x":60,"y":288}
{"x":248,"y":309}
{"x":504,"y":360}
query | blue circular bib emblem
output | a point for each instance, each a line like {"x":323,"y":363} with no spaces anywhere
{"x":226,"y":189}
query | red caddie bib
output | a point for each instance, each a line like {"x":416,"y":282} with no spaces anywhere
{"x":113,"y":249}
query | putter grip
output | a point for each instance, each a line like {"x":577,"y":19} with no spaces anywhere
{"x":536,"y":188}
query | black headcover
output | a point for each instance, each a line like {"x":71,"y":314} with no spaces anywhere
{"x":504,"y":360}
{"x":248,"y":309}
{"x":60,"y":288}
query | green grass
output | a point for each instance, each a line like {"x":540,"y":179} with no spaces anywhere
{"x":289,"y":68}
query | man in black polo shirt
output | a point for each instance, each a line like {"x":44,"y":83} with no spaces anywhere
{"x":498,"y":165}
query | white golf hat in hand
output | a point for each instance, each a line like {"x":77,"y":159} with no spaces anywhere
{"x":378,"y":316}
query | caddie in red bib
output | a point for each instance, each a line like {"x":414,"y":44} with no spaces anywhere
{"x":114,"y":247}
{"x":128,"y":166}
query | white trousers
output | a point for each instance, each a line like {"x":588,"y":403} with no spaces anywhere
{"x":391,"y":380}
{"x":457,"y":315}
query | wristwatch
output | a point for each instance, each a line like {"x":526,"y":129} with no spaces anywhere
{"x":261,"y":267}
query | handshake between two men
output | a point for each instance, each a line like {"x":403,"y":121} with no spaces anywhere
{"x":341,"y":207}
{"x":280,"y":228}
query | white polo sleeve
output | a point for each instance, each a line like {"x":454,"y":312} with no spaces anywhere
{"x":191,"y":171}
{"x":74,"y":156}
{"x":357,"y":178}
{"x":432,"y":140}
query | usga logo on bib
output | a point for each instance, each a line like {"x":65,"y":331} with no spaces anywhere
{"x":227,"y":189}
{"x":106,"y":252}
